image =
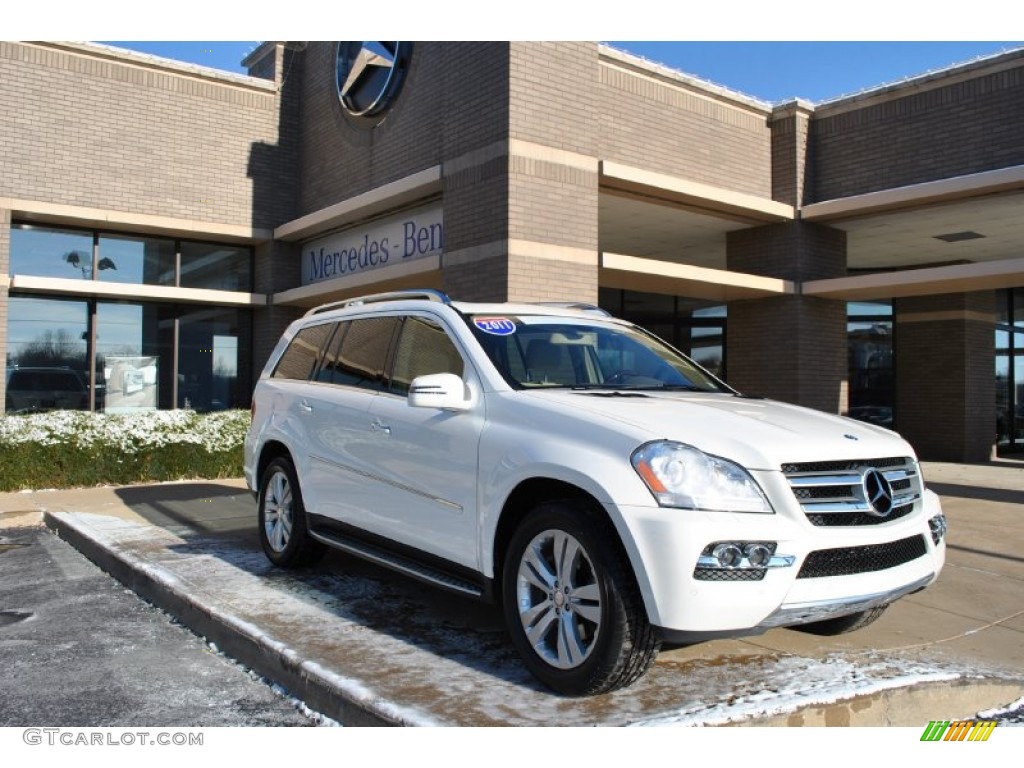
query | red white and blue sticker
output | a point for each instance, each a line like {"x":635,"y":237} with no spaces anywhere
{"x":496,"y":326}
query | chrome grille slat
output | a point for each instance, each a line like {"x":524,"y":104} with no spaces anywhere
{"x":832,"y":493}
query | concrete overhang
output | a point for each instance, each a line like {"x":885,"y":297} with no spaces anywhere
{"x":927,"y":281}
{"x":916,"y":195}
{"x":384,"y":198}
{"x":60,"y":286}
{"x":692,"y":194}
{"x":38,"y":212}
{"x":654,"y":276}
{"x":421,"y":273}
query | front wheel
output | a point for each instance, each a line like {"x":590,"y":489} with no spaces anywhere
{"x":282,"y":518}
{"x":571,"y":603}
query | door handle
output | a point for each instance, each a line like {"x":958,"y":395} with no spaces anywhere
{"x":306,"y":407}
{"x":378,"y":426}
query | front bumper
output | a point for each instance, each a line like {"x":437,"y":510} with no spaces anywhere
{"x":665,"y":545}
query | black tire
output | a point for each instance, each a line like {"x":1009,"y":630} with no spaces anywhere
{"x":599,"y":607}
{"x":843,"y":624}
{"x":282,"y":518}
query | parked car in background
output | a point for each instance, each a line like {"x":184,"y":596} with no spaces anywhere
{"x":45,"y":389}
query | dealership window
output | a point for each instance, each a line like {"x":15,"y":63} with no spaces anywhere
{"x":869,"y":351}
{"x":138,"y":260}
{"x":113,"y":257}
{"x":1009,"y":371}
{"x":125,"y":356}
{"x":694,"y":327}
{"x":48,"y":252}
{"x":47,"y":355}
{"x":218,"y":267}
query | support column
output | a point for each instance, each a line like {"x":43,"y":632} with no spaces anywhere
{"x":945,"y":375}
{"x":276,"y":269}
{"x":790,"y":348}
{"x":521,"y":212}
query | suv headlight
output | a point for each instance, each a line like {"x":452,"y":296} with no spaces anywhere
{"x":679,"y":475}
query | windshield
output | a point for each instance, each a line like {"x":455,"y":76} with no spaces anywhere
{"x":581,"y":353}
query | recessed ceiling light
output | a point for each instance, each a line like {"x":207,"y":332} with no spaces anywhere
{"x":956,"y":237}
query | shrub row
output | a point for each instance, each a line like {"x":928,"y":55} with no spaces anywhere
{"x":69,"y":450}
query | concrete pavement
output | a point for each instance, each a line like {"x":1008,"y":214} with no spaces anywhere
{"x":364,"y":646}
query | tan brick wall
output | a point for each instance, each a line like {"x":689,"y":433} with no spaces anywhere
{"x":90,"y":131}
{"x":533,"y":279}
{"x":668,"y":127}
{"x":945,"y":373}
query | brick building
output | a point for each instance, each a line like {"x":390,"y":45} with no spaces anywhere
{"x":160,"y":223}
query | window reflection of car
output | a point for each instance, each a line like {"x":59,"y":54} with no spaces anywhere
{"x":45,"y":389}
{"x":873,"y":414}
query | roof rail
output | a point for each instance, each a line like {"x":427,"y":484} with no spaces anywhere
{"x":580,"y":305}
{"x":420,"y":293}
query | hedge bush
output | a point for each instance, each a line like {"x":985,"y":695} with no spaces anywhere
{"x":70,"y":449}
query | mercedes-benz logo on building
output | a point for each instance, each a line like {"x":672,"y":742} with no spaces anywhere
{"x":369,"y":76}
{"x":878,"y":493}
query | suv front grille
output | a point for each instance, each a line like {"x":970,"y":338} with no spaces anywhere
{"x":846,"y":561}
{"x":833,"y":493}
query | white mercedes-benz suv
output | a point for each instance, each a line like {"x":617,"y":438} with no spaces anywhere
{"x":608,"y":492}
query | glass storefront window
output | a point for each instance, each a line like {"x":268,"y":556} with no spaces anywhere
{"x":47,"y":355}
{"x":1009,"y":360}
{"x":137,"y":260}
{"x":213,"y":359}
{"x":870,"y":359}
{"x":132,"y":260}
{"x":220,"y":267}
{"x":694,"y":327}
{"x":48,"y":252}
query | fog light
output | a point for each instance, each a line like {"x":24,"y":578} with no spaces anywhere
{"x":727,"y":555}
{"x":938,"y":528}
{"x":758,"y":555}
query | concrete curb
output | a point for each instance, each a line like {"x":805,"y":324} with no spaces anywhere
{"x":353,"y":702}
{"x":318,"y":688}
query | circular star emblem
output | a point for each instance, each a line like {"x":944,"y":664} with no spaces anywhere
{"x":878,"y":493}
{"x":370,"y":75}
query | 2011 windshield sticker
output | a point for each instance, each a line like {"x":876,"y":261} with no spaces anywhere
{"x":497,"y":326}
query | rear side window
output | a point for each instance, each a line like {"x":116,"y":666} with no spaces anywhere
{"x":299,"y":358}
{"x":363,"y":353}
{"x":423,"y":348}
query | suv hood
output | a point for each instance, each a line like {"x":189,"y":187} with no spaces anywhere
{"x":756,"y":433}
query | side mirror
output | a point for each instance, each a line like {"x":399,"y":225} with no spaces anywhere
{"x":439,"y":390}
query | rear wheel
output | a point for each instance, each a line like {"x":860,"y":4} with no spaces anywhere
{"x":571,"y":603}
{"x":843,"y":624}
{"x":282,"y":518}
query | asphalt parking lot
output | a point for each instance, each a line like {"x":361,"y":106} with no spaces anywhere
{"x":365,"y":646}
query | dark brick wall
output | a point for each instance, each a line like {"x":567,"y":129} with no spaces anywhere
{"x":945,"y":363}
{"x":454,"y":100}
{"x":932,"y":132}
{"x":790,"y":348}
